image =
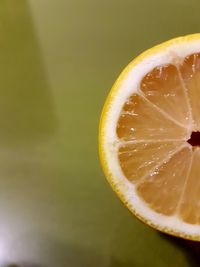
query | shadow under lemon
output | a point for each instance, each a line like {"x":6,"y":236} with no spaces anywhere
{"x":135,"y":244}
{"x":191,"y":249}
{"x":26,"y":108}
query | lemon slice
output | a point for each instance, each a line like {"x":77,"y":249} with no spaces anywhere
{"x":149,"y":137}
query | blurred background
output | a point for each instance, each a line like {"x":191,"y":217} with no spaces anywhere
{"x":58,"y":60}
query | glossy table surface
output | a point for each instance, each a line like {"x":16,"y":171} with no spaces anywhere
{"x":58,"y":60}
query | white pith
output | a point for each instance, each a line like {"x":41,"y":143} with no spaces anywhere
{"x":173,"y":53}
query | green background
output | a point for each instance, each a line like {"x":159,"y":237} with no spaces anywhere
{"x":58,"y":59}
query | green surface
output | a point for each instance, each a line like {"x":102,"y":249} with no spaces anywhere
{"x":58,"y":60}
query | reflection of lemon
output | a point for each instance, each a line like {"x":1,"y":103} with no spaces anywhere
{"x":146,"y":123}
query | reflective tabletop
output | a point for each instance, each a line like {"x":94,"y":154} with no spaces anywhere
{"x":58,"y":60}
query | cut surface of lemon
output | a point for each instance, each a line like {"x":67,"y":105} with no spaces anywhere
{"x":149,"y":137}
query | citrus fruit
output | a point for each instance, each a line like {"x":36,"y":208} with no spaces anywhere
{"x":149,"y":137}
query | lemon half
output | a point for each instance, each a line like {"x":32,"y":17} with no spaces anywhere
{"x":146,"y":137}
